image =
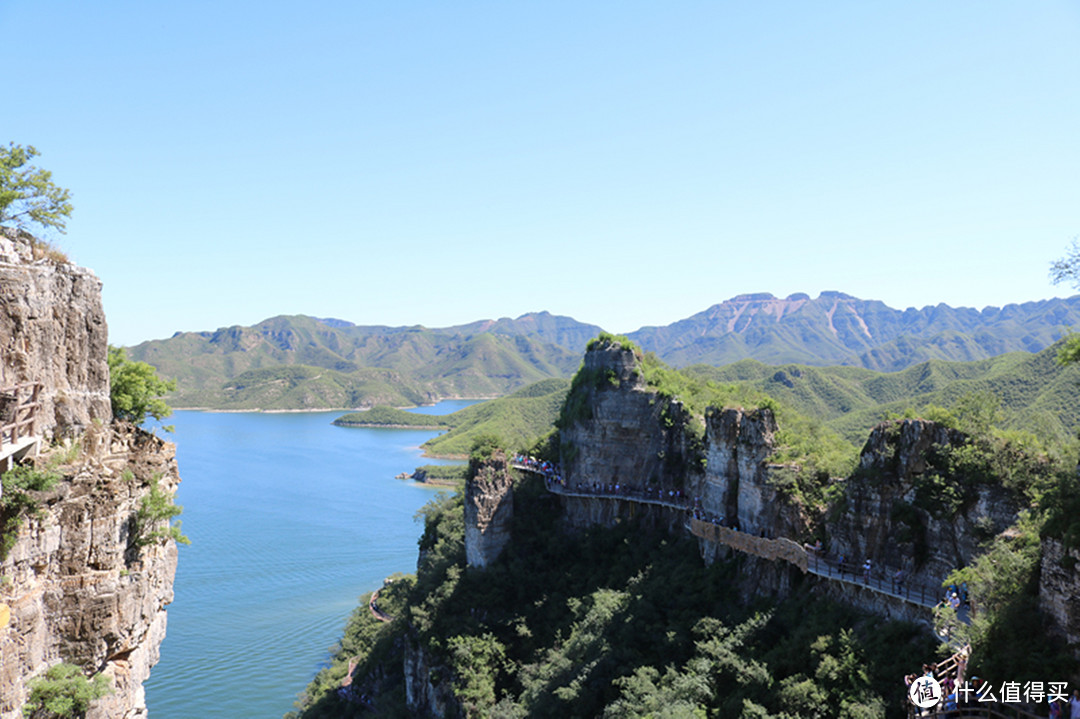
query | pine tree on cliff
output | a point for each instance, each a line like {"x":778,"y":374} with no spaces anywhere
{"x":27,"y":193}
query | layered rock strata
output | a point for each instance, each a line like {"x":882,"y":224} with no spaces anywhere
{"x":489,"y":510}
{"x":1059,"y":591}
{"x":83,"y":583}
{"x":884,"y":517}
{"x":53,"y":331}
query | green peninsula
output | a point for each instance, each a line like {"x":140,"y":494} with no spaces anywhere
{"x":382,"y":416}
{"x":519,"y":420}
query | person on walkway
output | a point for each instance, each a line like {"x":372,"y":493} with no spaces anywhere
{"x":1074,"y":705}
{"x":866,"y":571}
{"x":898,"y":580}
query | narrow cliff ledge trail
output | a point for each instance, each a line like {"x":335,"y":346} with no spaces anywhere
{"x":88,"y":574}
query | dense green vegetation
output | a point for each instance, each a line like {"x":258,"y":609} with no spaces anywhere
{"x":298,"y":362}
{"x":519,"y":420}
{"x":451,"y":474}
{"x":153,"y":518}
{"x":135,"y":389}
{"x":17,"y":501}
{"x":64,"y":692}
{"x":382,"y":416}
{"x":1037,"y":393}
{"x":615,"y":622}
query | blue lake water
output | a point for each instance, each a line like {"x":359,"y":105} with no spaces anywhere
{"x":290,"y":519}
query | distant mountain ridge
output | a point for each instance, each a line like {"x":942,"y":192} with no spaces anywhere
{"x":338,"y":364}
{"x":838,"y":329}
{"x":300,"y":362}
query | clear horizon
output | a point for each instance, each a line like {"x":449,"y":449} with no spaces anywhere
{"x":622,"y":164}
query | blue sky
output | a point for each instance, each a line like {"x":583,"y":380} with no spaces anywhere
{"x":624,"y":163}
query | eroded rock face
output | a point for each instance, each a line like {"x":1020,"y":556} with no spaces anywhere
{"x":53,"y":331}
{"x":78,"y":586}
{"x":628,"y":435}
{"x":740,"y":484}
{"x":80,"y":589}
{"x":882,"y":520}
{"x":423,"y":694}
{"x":489,"y":511}
{"x":1059,"y":589}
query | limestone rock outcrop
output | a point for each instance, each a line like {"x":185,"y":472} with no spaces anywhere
{"x":1059,"y":590}
{"x":425,"y":695}
{"x":489,"y":510}
{"x":740,"y":483}
{"x":885,"y":519}
{"x":83,"y":582}
{"x":53,"y":331}
{"x":628,"y":435}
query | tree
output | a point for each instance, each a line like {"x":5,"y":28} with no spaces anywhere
{"x":64,"y":692}
{"x":27,"y":193}
{"x":1067,"y":269}
{"x":136,"y":390}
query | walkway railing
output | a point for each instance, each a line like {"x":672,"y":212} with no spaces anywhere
{"x":882,"y":580}
{"x":984,"y":711}
{"x":18,"y":410}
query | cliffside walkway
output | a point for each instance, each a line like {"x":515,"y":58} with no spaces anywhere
{"x":18,"y":412}
{"x":379,"y":614}
{"x":881,"y":579}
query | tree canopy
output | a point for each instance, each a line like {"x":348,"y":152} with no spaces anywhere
{"x":136,"y":390}
{"x":27,"y":193}
{"x":1067,"y":269}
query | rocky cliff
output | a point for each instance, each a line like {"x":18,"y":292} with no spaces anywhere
{"x":489,"y":510}
{"x":889,"y":513}
{"x":1059,"y":590}
{"x":84,"y":582}
{"x":625,"y":434}
{"x":53,"y":331}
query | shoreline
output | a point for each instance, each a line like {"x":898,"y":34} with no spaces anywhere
{"x":390,"y":426}
{"x":329,"y":409}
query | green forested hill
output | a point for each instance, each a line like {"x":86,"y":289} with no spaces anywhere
{"x":518,"y":419}
{"x":346,"y":365}
{"x":1036,"y":392}
{"x":299,"y":362}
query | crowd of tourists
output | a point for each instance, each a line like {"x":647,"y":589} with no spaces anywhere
{"x":955,"y":694}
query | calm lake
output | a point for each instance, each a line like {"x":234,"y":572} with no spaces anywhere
{"x":290,"y":520}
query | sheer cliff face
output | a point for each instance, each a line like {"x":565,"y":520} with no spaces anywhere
{"x":739,"y":478}
{"x":53,"y":331}
{"x":881,"y":520}
{"x":1059,"y":590}
{"x":636,"y":438}
{"x":489,"y":511}
{"x":627,"y":435}
{"x":78,"y":586}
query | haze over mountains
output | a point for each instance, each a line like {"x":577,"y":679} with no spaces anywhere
{"x":293,"y":362}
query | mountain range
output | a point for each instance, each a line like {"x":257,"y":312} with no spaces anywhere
{"x":301,"y":362}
